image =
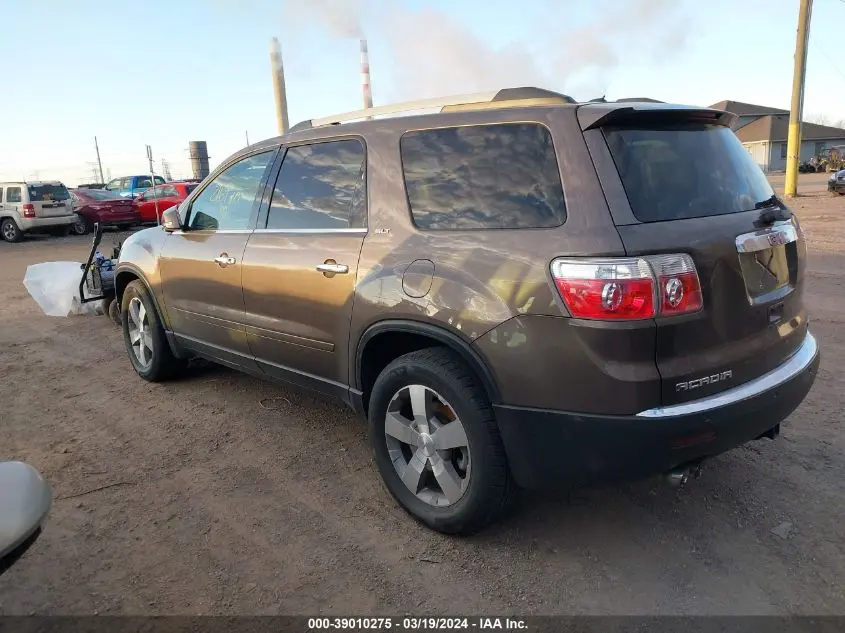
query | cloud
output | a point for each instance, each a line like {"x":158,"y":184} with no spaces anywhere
{"x":434,"y":53}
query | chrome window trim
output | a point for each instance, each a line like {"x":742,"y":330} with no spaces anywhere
{"x":355,"y":231}
{"x":797,"y":363}
{"x":211,"y":231}
{"x":761,"y":240}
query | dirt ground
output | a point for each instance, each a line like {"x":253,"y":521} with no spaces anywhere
{"x":221,"y":494}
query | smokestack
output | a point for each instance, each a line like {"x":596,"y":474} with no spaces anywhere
{"x":198,"y":152}
{"x":365,"y":75}
{"x":279,"y":86}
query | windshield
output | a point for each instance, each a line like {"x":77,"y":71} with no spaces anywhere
{"x":101,"y":194}
{"x":47,"y":193}
{"x":686,"y":171}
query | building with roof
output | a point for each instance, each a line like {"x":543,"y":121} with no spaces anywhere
{"x":763,"y":131}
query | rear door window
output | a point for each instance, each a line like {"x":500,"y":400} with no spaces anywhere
{"x":320,"y":186}
{"x":13,"y":194}
{"x":686,"y":171}
{"x":502,"y":176}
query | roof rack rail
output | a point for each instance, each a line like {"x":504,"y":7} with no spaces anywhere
{"x":504,"y":98}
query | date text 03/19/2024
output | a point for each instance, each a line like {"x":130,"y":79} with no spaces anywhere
{"x":412,"y":623}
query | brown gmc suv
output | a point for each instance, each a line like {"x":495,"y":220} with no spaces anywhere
{"x":518,"y":290}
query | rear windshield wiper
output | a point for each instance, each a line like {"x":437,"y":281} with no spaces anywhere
{"x":771,"y":201}
{"x":774,"y":210}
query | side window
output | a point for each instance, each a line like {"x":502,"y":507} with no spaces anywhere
{"x":13,"y":194}
{"x":167,"y":191}
{"x":114,"y":185}
{"x":320,"y":186}
{"x":1,"y":194}
{"x":143,"y":183}
{"x":502,"y":176}
{"x":159,"y":180}
{"x":125,"y":183}
{"x":783,"y":150}
{"x":227,"y":201}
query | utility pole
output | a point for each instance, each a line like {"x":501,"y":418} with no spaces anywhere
{"x":796,"y":109}
{"x":99,"y":163}
{"x":153,"y":182}
{"x":279,"y":86}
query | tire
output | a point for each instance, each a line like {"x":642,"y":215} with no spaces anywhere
{"x":82,"y":226}
{"x":9,"y":230}
{"x":485,"y":485}
{"x":156,"y":362}
{"x":114,"y":312}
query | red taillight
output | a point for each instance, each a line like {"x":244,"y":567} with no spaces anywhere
{"x":680,"y":290}
{"x":29,"y":211}
{"x":628,"y":287}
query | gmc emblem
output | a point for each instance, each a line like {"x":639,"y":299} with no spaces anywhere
{"x":689,"y":385}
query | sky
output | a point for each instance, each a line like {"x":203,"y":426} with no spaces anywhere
{"x":163,"y":73}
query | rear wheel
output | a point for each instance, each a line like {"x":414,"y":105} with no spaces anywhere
{"x":436,"y":443}
{"x":143,"y":335}
{"x":10,"y":231}
{"x":80,"y":226}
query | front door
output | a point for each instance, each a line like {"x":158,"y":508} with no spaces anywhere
{"x":299,"y":266}
{"x":201,"y":264}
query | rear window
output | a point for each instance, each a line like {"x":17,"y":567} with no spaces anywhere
{"x":102,"y":194}
{"x":502,"y":176}
{"x":46,"y":193}
{"x":688,"y":171}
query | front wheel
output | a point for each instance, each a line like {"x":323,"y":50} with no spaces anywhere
{"x":143,"y":335}
{"x":436,"y":442}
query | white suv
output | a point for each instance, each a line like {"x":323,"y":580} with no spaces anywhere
{"x":34,"y":206}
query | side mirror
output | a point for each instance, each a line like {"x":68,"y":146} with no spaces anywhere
{"x":25,"y":500}
{"x":170,"y":220}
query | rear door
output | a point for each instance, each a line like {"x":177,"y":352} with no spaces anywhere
{"x":687,"y":186}
{"x":50,"y":199}
{"x":301,"y":262}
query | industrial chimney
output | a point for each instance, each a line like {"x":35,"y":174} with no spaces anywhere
{"x":198,"y":151}
{"x":279,"y":86}
{"x":365,"y":75}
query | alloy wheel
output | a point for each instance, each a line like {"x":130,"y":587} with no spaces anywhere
{"x":9,"y":232}
{"x":140,"y":333}
{"x":428,"y":445}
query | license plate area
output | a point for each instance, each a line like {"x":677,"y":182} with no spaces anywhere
{"x":769,"y":262}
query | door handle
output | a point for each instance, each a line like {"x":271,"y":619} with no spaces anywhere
{"x":224,"y":260}
{"x":332,"y":268}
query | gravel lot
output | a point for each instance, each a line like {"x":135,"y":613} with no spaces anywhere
{"x":222,"y":494}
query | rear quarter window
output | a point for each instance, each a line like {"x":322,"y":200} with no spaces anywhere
{"x":502,"y":176}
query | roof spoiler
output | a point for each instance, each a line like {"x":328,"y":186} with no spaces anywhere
{"x":592,"y":116}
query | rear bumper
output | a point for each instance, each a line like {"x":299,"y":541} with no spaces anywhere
{"x":547,"y":448}
{"x":835,"y":186}
{"x":32,"y":224}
